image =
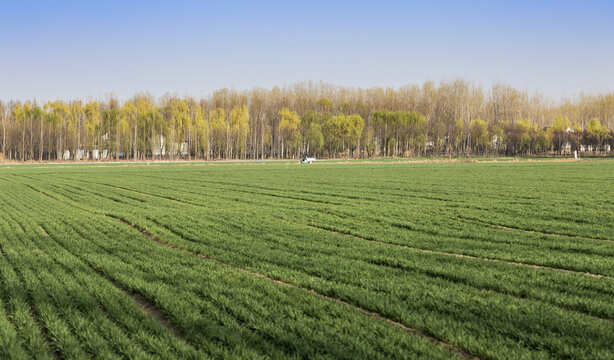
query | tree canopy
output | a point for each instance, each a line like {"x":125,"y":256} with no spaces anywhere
{"x":449,"y":118}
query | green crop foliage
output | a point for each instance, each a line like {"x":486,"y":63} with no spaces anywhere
{"x":501,"y":260}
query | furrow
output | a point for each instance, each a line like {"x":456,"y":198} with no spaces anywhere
{"x":498,"y":226}
{"x":145,"y":194}
{"x":550,"y":234}
{"x":279,"y":282}
{"x":44,"y":231}
{"x":39,"y":191}
{"x":53,"y":350}
{"x":457,"y":255}
{"x":147,"y":307}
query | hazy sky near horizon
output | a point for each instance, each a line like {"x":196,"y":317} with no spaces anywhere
{"x":87,"y":49}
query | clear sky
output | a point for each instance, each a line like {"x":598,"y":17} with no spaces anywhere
{"x":82,"y":49}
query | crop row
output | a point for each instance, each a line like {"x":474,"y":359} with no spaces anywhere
{"x":221,"y":312}
{"x":406,"y":259}
{"x":450,"y":297}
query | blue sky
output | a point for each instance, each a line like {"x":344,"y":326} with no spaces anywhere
{"x":82,"y":49}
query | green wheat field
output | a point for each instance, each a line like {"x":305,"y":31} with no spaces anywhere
{"x":259,"y":260}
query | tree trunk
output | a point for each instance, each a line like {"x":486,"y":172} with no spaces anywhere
{"x":134,"y":144}
{"x":3,"y":138}
{"x":31,"y":140}
{"x":208,"y":147}
{"x":23,"y":142}
{"x":41,"y":144}
{"x":117,"y":139}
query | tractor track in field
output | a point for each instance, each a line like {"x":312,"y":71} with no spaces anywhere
{"x":184,"y":202}
{"x":549,"y":234}
{"x":33,"y":312}
{"x":436,"y":276}
{"x":33,"y":315}
{"x":345,"y":303}
{"x":426,"y":250}
{"x":146,"y":306}
{"x":282,"y":283}
{"x":225,"y":185}
{"x":311,"y":291}
{"x":131,"y":190}
{"x":32,"y":187}
{"x":402,"y":226}
{"x":146,"y":194}
{"x":39,"y":191}
{"x":220,"y":185}
{"x":143,"y":304}
{"x":44,"y":231}
{"x":503,"y":227}
{"x":158,"y":315}
{"x":196,"y":204}
{"x":376,"y":241}
{"x":458,"y":255}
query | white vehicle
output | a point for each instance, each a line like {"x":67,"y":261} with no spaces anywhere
{"x":307,"y":160}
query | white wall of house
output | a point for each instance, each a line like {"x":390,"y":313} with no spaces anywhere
{"x":158,"y":148}
{"x":567,"y":147}
{"x":184,"y":148}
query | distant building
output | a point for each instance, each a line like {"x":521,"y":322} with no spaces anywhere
{"x":184,"y":148}
{"x":566,"y":147}
{"x":159,"y":148}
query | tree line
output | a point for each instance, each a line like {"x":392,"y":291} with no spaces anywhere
{"x":451,"y":118}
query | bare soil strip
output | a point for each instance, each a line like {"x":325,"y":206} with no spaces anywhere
{"x":276,"y":281}
{"x":44,"y":231}
{"x":458,"y":255}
